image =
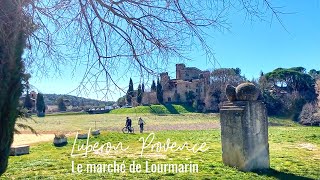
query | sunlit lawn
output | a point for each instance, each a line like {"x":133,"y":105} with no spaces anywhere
{"x":294,"y":151}
{"x":113,"y":122}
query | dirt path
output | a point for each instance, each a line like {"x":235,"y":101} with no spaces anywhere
{"x":28,"y":138}
{"x":20,"y":139}
{"x":180,"y":126}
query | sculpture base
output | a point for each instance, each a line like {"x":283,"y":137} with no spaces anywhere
{"x":244,"y":135}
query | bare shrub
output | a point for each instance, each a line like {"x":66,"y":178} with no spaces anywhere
{"x":309,"y":115}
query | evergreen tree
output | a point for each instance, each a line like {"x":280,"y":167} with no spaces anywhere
{"x":153,"y":87}
{"x":14,"y":25}
{"x":130,"y":92}
{"x":140,"y":92}
{"x":40,"y":105}
{"x":159,"y":92}
{"x":61,"y":105}
{"x":142,"y":87}
{"x":121,"y":101}
{"x":27,"y":102}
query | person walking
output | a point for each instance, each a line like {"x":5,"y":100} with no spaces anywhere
{"x":141,"y":123}
{"x":128,"y":124}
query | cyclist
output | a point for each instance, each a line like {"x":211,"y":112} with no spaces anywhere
{"x":129,"y":124}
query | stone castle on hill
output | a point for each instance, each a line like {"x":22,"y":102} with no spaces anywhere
{"x":189,"y":80}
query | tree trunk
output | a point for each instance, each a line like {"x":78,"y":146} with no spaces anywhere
{"x":12,"y":42}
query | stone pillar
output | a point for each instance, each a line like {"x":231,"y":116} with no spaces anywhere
{"x":244,"y":135}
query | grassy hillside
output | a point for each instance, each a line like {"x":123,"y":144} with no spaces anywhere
{"x":155,"y":109}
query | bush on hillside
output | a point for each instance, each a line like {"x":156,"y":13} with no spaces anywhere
{"x":309,"y":115}
{"x":155,"y":109}
{"x":273,"y":104}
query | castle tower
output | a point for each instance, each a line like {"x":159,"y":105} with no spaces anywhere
{"x":206,"y":76}
{"x":164,"y":78}
{"x":179,"y":69}
{"x":33,"y":95}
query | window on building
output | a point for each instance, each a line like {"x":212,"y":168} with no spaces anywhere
{"x":169,"y":99}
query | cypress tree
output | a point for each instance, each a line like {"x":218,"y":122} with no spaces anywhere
{"x":61,"y":105}
{"x":159,"y":92}
{"x":142,"y":87}
{"x":41,"y":108}
{"x":153,"y":87}
{"x":13,"y":23}
{"x":130,"y":92}
{"x":139,"y":97}
{"x":27,"y":102}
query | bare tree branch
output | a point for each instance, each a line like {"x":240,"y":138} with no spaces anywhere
{"x":127,"y":35}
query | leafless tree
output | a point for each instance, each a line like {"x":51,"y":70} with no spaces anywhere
{"x":139,"y":36}
{"x":106,"y":36}
{"x":216,"y":93}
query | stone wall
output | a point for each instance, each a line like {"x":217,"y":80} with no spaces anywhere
{"x":188,"y":73}
{"x":149,"y":98}
{"x":198,"y":86}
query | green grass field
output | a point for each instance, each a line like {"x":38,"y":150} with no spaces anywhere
{"x":115,"y":122}
{"x":294,"y":149}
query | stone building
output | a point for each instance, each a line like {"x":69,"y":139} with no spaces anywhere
{"x":188,"y":79}
{"x":33,"y":96}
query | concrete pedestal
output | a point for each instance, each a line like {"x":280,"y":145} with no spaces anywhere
{"x":82,"y":136}
{"x":19,"y":150}
{"x":95,"y":132}
{"x":244,"y":135}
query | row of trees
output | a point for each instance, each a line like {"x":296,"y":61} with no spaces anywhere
{"x":127,"y":100}
{"x":219,"y":79}
{"x":40,"y":105}
{"x":284,"y":90}
{"x":287,"y":90}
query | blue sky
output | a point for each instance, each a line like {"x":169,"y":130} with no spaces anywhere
{"x":253,"y":46}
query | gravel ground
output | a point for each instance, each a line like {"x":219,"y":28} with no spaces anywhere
{"x":28,"y":138}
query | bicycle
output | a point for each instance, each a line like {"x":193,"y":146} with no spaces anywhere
{"x":125,"y":130}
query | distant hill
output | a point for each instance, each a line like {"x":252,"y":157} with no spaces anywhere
{"x":51,"y":99}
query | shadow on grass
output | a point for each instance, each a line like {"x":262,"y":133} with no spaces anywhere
{"x":153,"y":110}
{"x":189,"y":108}
{"x":276,"y":124}
{"x":280,"y":175}
{"x":171,"y":109}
